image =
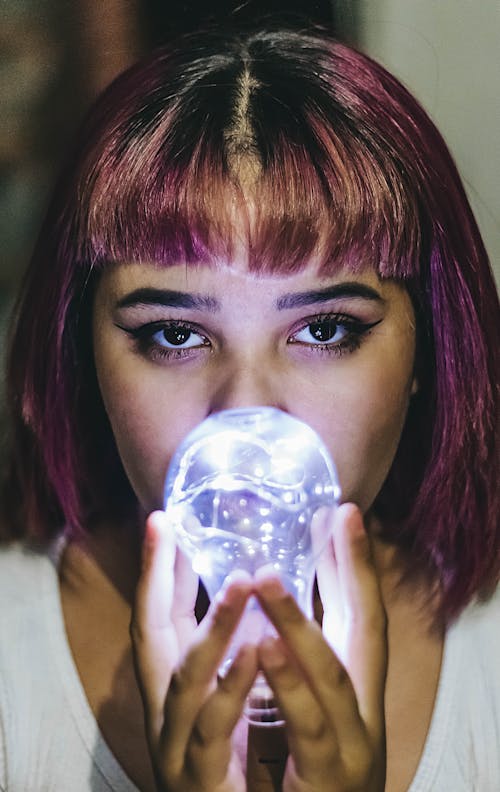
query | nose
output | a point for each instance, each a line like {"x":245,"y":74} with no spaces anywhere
{"x":247,"y":385}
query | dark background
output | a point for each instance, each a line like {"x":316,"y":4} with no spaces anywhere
{"x":55,"y":57}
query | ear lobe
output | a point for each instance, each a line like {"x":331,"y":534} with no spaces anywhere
{"x":414,"y":387}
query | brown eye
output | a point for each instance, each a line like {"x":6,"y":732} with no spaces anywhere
{"x":168,"y":339}
{"x":323,"y":331}
{"x":176,"y":335}
{"x":336,"y":334}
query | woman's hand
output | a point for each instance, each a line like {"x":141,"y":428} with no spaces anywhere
{"x":333,"y":705}
{"x":190,"y":714}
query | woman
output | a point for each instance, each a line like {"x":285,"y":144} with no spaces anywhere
{"x":271,"y":220}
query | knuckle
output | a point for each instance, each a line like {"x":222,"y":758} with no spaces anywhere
{"x":227,"y":689}
{"x":338,"y":676}
{"x":222,"y":615}
{"x":317,"y":731}
{"x":200,"y":738}
{"x":288,"y":680}
{"x":179,"y":681}
{"x":187,"y":677}
{"x":319,"y":764}
{"x":359,"y":768}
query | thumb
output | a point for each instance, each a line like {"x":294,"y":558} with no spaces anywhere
{"x":333,"y":623}
{"x":184,"y":600}
{"x":364,"y":613}
{"x":153,"y":633}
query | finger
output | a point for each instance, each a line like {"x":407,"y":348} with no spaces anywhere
{"x":210,"y":747}
{"x":321,"y":669}
{"x":364,"y":614}
{"x":184,"y":600}
{"x":193,"y":679}
{"x":327,"y":579}
{"x":153,"y":634}
{"x":311,"y":737}
{"x":220,"y":714}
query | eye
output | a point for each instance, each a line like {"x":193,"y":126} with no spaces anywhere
{"x":177,"y":336}
{"x":334,"y":334}
{"x":322,"y":331}
{"x":167,"y":340}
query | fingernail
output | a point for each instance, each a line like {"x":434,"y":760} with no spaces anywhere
{"x":271,"y":588}
{"x":319,"y":517}
{"x":236,"y":576}
{"x":350,"y":511}
{"x":232,"y":591}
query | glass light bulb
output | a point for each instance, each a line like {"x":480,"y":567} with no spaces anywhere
{"x":241,"y":491}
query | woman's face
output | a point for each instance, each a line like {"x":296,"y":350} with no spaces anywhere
{"x":173,"y":345}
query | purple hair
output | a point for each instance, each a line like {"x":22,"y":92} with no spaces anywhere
{"x":344,"y":164}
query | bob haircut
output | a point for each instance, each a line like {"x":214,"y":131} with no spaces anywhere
{"x":324,"y":154}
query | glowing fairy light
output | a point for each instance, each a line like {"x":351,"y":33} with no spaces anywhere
{"x":241,"y":491}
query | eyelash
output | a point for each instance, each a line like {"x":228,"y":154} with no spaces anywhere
{"x":355,"y":332}
{"x":144,"y":338}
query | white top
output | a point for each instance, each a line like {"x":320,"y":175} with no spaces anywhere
{"x":50,"y":741}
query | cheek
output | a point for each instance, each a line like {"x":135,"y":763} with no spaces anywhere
{"x":148,"y":419}
{"x":146,"y":443}
{"x":143,"y":446}
{"x":367,"y":446}
{"x":362,"y":429}
{"x":360,"y":424}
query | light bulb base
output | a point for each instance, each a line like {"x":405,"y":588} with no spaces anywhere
{"x":261,"y":708}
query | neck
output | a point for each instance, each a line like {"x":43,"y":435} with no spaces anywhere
{"x":404,"y":587}
{"x":106,"y":562}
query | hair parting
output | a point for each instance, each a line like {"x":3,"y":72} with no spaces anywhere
{"x":294,"y":148}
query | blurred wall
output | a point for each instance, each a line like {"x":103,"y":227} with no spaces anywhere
{"x":56,"y":55}
{"x":447,"y":52}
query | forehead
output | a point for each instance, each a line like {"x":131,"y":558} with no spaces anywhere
{"x":232,"y":286}
{"x":234,"y":281}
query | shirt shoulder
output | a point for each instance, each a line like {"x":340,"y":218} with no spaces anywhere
{"x":20,"y":567}
{"x":23,"y":648}
{"x":480,"y":625}
{"x":461,"y":750}
{"x":49,"y":738}
{"x":25,"y":577}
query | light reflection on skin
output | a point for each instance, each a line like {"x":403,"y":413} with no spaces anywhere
{"x":247,"y":340}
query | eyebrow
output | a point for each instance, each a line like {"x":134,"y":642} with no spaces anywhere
{"x":169,"y":298}
{"x":177,"y":299}
{"x":348,"y":289}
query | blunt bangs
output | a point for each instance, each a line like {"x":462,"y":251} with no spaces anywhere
{"x":293,"y":149}
{"x":248,"y":149}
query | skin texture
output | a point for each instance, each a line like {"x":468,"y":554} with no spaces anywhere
{"x":334,"y":711}
{"x":356,"y":401}
{"x":344,"y":365}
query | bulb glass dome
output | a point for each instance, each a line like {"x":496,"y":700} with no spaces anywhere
{"x":240,"y":493}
